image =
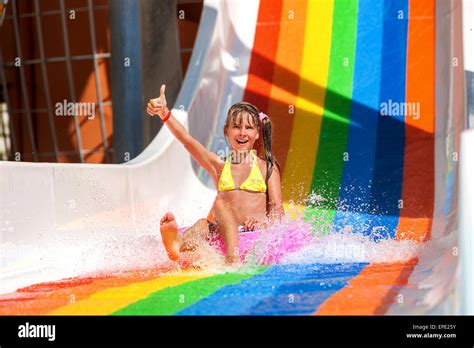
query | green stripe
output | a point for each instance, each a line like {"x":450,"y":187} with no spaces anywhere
{"x":329,"y":164}
{"x":171,"y":300}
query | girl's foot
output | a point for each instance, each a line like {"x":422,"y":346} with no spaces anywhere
{"x":169,"y":235}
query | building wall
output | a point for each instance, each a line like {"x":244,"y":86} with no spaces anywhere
{"x":31,"y":121}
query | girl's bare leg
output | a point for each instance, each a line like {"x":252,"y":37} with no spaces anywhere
{"x":174,"y":244}
{"x":228,"y":228}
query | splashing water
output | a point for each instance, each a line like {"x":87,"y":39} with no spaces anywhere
{"x":309,"y":243}
{"x":343,"y":246}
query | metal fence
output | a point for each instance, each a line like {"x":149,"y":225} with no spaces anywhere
{"x":8,"y":133}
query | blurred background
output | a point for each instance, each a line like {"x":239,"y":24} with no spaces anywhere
{"x":53,"y":51}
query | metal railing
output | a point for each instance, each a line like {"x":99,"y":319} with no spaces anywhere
{"x":26,"y":109}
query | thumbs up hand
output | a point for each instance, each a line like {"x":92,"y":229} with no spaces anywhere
{"x":157,"y":106}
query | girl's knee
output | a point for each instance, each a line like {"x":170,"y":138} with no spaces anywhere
{"x":202,"y":223}
{"x":201,"y":226}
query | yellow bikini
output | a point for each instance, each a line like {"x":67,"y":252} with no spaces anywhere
{"x":254,"y":183}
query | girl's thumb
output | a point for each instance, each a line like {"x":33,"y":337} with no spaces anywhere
{"x":162,"y":90}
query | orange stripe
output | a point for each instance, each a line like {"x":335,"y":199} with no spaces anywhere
{"x":286,"y":78}
{"x":418,"y":174}
{"x":263,"y":54}
{"x":371,"y":292}
{"x":43,"y":298}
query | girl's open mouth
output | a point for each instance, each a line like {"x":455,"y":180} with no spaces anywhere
{"x":242,"y":142}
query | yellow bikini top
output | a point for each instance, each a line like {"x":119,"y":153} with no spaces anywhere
{"x":254,"y":183}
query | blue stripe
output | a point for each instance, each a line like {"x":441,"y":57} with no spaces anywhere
{"x":388,"y":175}
{"x":282,"y":290}
{"x":354,"y":195}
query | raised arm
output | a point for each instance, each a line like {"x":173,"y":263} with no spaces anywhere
{"x":206,"y":159}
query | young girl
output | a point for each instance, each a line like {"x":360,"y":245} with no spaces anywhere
{"x":249,"y":189}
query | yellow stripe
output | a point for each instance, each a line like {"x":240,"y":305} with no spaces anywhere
{"x":310,"y":101}
{"x":286,"y":56}
{"x":108,"y":301}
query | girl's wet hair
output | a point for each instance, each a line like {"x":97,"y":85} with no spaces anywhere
{"x":238,"y":109}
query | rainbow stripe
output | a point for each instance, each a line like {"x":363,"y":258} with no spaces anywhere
{"x":324,"y":89}
{"x":321,"y":69}
{"x":275,"y":290}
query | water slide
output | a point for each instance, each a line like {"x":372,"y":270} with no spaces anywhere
{"x":367,"y":102}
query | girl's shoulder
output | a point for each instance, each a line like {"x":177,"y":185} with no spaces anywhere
{"x":261,"y":158}
{"x":221,"y":161}
{"x":262,"y":164}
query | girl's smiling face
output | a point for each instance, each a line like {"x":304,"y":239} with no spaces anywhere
{"x":241,"y":132}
